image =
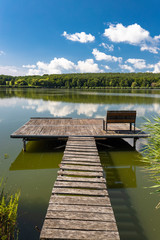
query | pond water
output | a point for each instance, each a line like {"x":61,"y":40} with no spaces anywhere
{"x":34,"y":172}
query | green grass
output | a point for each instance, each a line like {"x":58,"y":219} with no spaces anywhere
{"x":8,"y":214}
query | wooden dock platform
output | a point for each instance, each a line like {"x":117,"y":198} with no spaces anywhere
{"x":79,"y":207}
{"x":37,"y":128}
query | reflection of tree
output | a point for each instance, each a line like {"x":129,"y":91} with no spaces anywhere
{"x":85,"y":96}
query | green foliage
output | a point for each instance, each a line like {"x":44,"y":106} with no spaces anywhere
{"x":152,"y":152}
{"x":85,"y":80}
{"x":8,"y":215}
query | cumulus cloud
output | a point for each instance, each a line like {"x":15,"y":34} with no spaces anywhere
{"x":99,"y":56}
{"x":110,"y":48}
{"x":133,"y":34}
{"x":126,"y":67}
{"x":87,"y":66}
{"x":12,"y":70}
{"x":79,"y":37}
{"x":156,"y":68}
{"x":63,"y":65}
{"x":139,"y":63}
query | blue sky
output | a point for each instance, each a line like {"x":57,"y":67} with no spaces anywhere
{"x":65,"y":36}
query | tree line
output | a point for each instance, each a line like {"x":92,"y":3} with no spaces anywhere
{"x":84,"y":80}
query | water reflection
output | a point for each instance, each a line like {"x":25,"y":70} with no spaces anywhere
{"x":120,"y":162}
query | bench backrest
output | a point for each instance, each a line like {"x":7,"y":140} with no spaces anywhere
{"x":121,"y":117}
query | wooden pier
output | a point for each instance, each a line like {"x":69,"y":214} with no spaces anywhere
{"x":79,"y":207}
{"x":51,"y":128}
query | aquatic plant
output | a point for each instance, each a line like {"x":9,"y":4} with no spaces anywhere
{"x":8,"y":214}
{"x":152,"y":152}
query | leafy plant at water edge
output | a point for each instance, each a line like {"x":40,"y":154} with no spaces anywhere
{"x":152,"y":152}
{"x":8,"y":215}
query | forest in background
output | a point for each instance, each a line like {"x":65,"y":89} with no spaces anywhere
{"x":84,"y":80}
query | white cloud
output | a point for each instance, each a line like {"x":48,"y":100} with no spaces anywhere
{"x":99,"y":56}
{"x":156,"y":68}
{"x":110,"y":48}
{"x":126,"y":67}
{"x":56,"y":66}
{"x":133,"y":34}
{"x":139,"y":63}
{"x":62,"y":65}
{"x":29,"y":66}
{"x":87,"y":66}
{"x":79,"y":37}
{"x":151,"y":49}
{"x":107,"y":67}
{"x":12,"y":70}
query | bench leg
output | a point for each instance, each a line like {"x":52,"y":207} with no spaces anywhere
{"x":130,"y":126}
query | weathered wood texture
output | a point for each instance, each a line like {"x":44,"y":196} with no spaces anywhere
{"x":79,"y":207}
{"x":65,"y":127}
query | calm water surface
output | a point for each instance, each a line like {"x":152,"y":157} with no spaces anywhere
{"x":35,"y":171}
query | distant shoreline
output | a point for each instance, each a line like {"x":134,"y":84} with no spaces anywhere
{"x":84,"y":81}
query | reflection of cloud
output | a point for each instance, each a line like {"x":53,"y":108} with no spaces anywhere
{"x":61,"y":109}
{"x":87,"y":109}
{"x":11,"y":102}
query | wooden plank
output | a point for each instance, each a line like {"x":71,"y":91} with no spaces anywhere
{"x":79,"y":225}
{"x":80,"y":173}
{"x":69,"y":152}
{"x":79,"y":191}
{"x":81,"y":168}
{"x":80,"y":208}
{"x":82,"y":159}
{"x":80,"y":216}
{"x":80,"y":185}
{"x":82,"y":144}
{"x":80,"y":200}
{"x":81,"y":179}
{"x":80,"y":163}
{"x":80,"y":155}
{"x":70,"y":149}
{"x":78,"y":234}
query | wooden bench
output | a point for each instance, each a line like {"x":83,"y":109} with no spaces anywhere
{"x":121,"y":117}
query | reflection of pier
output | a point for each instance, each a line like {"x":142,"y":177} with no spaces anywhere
{"x":119,"y":162}
{"x":79,"y":204}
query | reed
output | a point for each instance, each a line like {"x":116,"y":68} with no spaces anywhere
{"x":152,"y":152}
{"x":8,"y":214}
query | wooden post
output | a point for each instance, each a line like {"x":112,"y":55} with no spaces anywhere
{"x":134,"y":142}
{"x":24,"y":145}
{"x":103,"y":124}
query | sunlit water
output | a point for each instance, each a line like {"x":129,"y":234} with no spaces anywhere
{"x":34,"y":172}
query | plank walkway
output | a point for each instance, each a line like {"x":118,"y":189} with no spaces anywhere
{"x":79,"y":207}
